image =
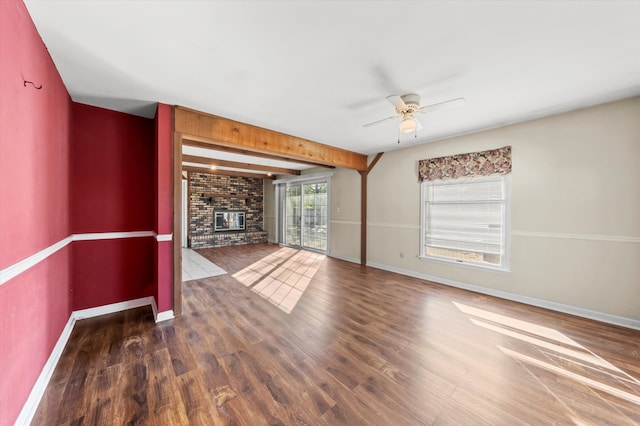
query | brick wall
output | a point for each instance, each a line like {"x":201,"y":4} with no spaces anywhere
{"x":203,"y":190}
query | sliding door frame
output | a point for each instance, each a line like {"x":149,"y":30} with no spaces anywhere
{"x":280,"y":192}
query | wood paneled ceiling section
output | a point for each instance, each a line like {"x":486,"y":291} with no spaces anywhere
{"x":225,"y":172}
{"x":237,"y":165}
{"x":209,"y":146}
{"x":203,"y":130}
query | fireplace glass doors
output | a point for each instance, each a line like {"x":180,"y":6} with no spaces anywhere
{"x":229,"y":220}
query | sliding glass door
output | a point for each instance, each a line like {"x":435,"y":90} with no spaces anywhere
{"x":292,"y":215}
{"x":305,"y":216}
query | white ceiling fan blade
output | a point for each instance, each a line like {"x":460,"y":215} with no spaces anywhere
{"x":380,"y":121}
{"x":453,"y":103}
{"x":418,"y":125}
{"x":396,"y":101}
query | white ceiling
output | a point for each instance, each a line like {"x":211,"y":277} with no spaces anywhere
{"x":321,"y":69}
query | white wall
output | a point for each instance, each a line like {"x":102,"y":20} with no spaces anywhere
{"x":344,"y":217}
{"x":575,"y":213}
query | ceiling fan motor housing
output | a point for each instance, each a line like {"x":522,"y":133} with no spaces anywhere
{"x":412,"y":104}
{"x":411,"y":98}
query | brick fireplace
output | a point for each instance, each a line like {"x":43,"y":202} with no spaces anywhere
{"x":210,"y":193}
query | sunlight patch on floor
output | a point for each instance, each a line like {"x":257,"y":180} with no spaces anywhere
{"x":595,"y":384}
{"x":528,"y":327}
{"x":555,"y":352}
{"x":282,"y":277}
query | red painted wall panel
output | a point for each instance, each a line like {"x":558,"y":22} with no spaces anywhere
{"x":34,"y":133}
{"x":34,"y":308}
{"x":34,"y":205}
{"x":164,"y":272}
{"x":112,"y":163}
{"x":164,"y":169}
{"x":69,"y":168}
{"x":163,"y":217}
{"x":111,"y":271}
{"x":112,"y":171}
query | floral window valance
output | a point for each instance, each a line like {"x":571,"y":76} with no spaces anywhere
{"x":473,"y":164}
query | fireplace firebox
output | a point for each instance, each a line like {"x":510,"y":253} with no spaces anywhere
{"x":229,"y":220}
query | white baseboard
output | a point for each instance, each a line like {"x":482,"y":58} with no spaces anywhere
{"x":154,"y":308}
{"x":30,"y":407}
{"x":541,"y":303}
{"x":114,"y":307}
{"x":345,"y":258}
{"x":164,"y":316}
{"x":123,"y":306}
{"x":33,"y":401}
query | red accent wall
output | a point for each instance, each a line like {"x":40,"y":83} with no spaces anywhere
{"x":112,"y":190}
{"x":34,"y":206}
{"x":34,"y":152}
{"x":163,"y":219}
{"x":112,"y":171}
{"x":163,"y":214}
{"x":164,"y":266}
{"x":34,"y":308}
{"x":68,"y":168}
{"x":111,"y":271}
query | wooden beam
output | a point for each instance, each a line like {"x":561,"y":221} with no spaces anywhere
{"x":363,"y":208}
{"x":363,"y":218}
{"x":177,"y":225}
{"x":238,"y":165}
{"x":374,"y":162}
{"x":224,"y":132}
{"x":203,"y":143}
{"x":225,"y":172}
{"x":188,"y":212}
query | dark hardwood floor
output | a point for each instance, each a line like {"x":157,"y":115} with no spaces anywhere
{"x":362,"y":346}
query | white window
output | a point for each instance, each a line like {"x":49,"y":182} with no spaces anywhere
{"x":466,"y":221}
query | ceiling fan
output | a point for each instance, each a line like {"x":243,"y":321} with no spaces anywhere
{"x":408,"y":106}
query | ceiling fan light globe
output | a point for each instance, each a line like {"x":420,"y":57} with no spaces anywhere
{"x":407,"y":125}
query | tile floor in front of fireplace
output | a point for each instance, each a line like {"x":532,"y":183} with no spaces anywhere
{"x":280,"y":277}
{"x":196,"y":267}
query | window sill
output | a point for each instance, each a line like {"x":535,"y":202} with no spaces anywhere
{"x":466,"y":265}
